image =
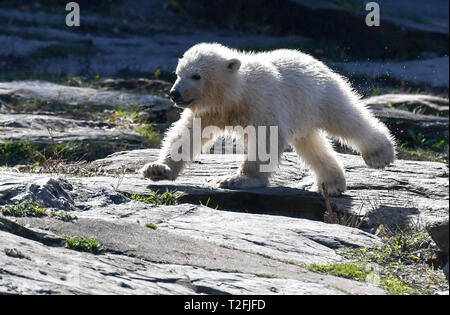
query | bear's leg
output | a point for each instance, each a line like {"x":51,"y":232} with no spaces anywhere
{"x":255,"y":171}
{"x":355,"y":126}
{"x":178,"y":136}
{"x":318,"y":154}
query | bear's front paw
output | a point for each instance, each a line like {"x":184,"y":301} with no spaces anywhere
{"x":156,"y":171}
{"x":379,"y":158}
{"x":334,"y":186}
{"x":241,"y":182}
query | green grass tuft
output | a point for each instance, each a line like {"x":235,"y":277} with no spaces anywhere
{"x":30,"y":209}
{"x":151,"y":226}
{"x":130,"y":118}
{"x":346,"y":270}
{"x":168,"y":198}
{"x":24,"y":209}
{"x":403,"y":248}
{"x":406,"y":263}
{"x":83,"y":244}
{"x":63,"y":216}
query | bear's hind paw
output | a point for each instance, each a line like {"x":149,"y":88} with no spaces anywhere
{"x":241,"y":182}
{"x":156,"y":172}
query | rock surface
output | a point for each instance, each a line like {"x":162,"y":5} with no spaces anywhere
{"x":158,"y":45}
{"x":438,"y":230}
{"x":72,"y":96}
{"x":283,"y":238}
{"x":254,"y":242}
{"x":416,"y":103}
{"x":213,"y":241}
{"x":399,"y":122}
{"x":44,"y":130}
{"x":72,"y":272}
{"x":404,"y":191}
{"x":433,"y":71}
{"x":190,"y":251}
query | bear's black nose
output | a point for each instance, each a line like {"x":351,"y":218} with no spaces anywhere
{"x":175,"y":95}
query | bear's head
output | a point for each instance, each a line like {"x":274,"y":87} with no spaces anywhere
{"x":207,"y":77}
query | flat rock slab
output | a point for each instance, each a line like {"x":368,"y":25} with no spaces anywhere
{"x":166,"y":260}
{"x":44,"y":129}
{"x":407,"y":190}
{"x":39,"y":269}
{"x":78,"y":139}
{"x":263,"y":246}
{"x":283,"y":238}
{"x":399,"y":122}
{"x":425,"y":104}
{"x":69,"y":95}
{"x":433,"y":72}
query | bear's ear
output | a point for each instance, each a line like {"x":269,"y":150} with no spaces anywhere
{"x":233,"y":65}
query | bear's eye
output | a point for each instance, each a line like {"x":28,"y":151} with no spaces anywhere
{"x":195,"y":77}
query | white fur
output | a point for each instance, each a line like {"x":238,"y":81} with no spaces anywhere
{"x":284,"y":88}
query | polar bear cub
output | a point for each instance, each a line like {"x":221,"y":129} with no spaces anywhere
{"x":288,"y":89}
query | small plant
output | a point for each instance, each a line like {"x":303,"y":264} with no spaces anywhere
{"x":333,"y":217}
{"x":50,"y":157}
{"x":441,"y":145}
{"x":402,"y":248}
{"x":207,"y":204}
{"x":346,"y":270}
{"x":157,"y":74}
{"x":151,"y":226}
{"x":406,"y":262}
{"x":396,"y":286}
{"x":130,"y":118}
{"x":168,"y":198}
{"x":83,"y":244}
{"x":30,"y":209}
{"x":13,"y":153}
{"x":151,"y":138}
{"x":63,"y":216}
{"x":420,"y":140}
{"x":24,"y":209}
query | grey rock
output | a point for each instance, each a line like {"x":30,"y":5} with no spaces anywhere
{"x":267,"y":233}
{"x":417,"y":103}
{"x":140,"y":85}
{"x":438,"y":230}
{"x":63,"y":271}
{"x":149,"y":261}
{"x":160,"y":51}
{"x":290,"y":239}
{"x":404,"y":191}
{"x":284,"y":238}
{"x":399,"y":121}
{"x":259,"y":249}
{"x":49,"y":192}
{"x":432,"y":71}
{"x":95,"y":139}
{"x":80,"y":96}
{"x":442,"y":293}
{"x":14,"y":252}
{"x":32,"y":234}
